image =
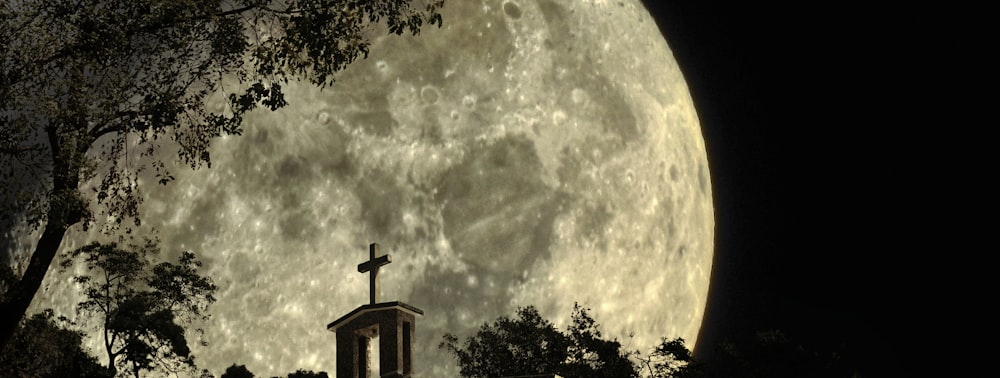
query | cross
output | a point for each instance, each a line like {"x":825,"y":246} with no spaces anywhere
{"x":372,"y":266}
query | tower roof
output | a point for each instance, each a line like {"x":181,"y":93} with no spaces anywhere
{"x":369,"y":308}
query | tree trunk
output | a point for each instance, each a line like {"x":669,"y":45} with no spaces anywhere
{"x":65,"y":209}
{"x":108,"y":345}
{"x":20,"y":295}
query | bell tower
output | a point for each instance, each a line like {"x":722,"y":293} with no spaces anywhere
{"x":391,"y":322}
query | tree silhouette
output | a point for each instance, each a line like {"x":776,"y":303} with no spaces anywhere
{"x":670,"y":359}
{"x":91,"y":93}
{"x":511,"y":347}
{"x":44,"y":348}
{"x":307,"y":374}
{"x":141,"y":307}
{"x":237,"y":371}
{"x":531,"y":345}
{"x":590,"y":355}
{"x":240,"y":371}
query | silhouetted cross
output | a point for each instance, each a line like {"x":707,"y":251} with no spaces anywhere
{"x":372,"y":266}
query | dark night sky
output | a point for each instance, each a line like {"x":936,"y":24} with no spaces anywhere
{"x":801,"y":110}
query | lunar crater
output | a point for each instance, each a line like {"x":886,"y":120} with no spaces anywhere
{"x":429,"y":94}
{"x":512,"y":10}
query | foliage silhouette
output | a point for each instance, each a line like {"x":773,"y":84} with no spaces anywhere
{"x":307,"y":374}
{"x":43,"y":348}
{"x":237,"y":371}
{"x":141,"y":307}
{"x":531,"y":345}
{"x":241,"y":371}
{"x":94,"y":97}
{"x":670,"y":359}
{"x":510,"y":347}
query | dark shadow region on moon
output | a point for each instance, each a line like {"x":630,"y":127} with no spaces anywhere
{"x":496,"y":207}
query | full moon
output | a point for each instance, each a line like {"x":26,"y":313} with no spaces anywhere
{"x":529,"y":152}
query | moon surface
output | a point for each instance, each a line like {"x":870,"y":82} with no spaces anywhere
{"x":529,"y":152}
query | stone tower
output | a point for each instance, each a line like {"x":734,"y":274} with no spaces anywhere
{"x":391,"y":322}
